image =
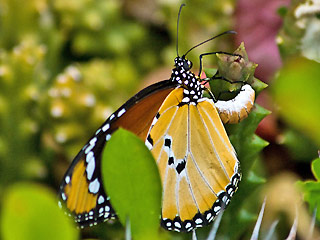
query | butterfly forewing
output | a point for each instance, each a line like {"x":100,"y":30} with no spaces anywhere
{"x":82,"y":188}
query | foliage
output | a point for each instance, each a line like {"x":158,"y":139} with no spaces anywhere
{"x":66,"y":65}
{"x":248,"y":146}
{"x":311,"y":189}
{"x":300,"y":31}
{"x":22,"y":79}
{"x":23,"y":209}
{"x":300,"y":112}
{"x":131,"y":176}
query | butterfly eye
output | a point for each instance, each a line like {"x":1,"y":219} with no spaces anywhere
{"x":187,"y":65}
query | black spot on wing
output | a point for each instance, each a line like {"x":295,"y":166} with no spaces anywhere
{"x":170,"y":161}
{"x":181,"y":166}
{"x":150,"y":140}
{"x":167,"y":143}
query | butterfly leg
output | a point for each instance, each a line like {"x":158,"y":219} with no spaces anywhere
{"x":211,"y":53}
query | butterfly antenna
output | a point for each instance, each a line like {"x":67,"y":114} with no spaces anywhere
{"x":219,"y":35}
{"x":181,"y":6}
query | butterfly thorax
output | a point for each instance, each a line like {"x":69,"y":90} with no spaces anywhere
{"x":181,"y":74}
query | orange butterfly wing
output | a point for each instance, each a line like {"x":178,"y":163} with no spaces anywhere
{"x":82,"y":187}
{"x":197,"y":163}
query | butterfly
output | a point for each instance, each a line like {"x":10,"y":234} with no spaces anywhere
{"x":182,"y":128}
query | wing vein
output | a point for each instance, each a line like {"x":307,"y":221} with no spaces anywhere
{"x":232,"y":151}
{"x":188,"y":151}
{"x":157,"y":142}
{"x":201,"y":174}
{"x":192,"y":157}
{"x":162,"y":149}
{"x":213,"y":145}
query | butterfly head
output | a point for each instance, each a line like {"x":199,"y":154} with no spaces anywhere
{"x":182,"y":62}
{"x":181,"y":73}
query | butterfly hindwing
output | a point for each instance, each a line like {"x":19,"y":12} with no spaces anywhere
{"x":196,"y":160}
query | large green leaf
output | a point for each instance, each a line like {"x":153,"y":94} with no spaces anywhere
{"x":31,"y":212}
{"x":132,"y":181}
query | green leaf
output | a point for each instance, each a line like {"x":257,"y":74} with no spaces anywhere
{"x":248,"y":146}
{"x":258,"y":85}
{"x":210,"y":72}
{"x":311,"y":189}
{"x":296,"y":91}
{"x":315,"y":167}
{"x":242,"y":136}
{"x":132,"y":181}
{"x":301,"y":147}
{"x":31,"y":212}
{"x":298,"y":35}
{"x":255,"y":179}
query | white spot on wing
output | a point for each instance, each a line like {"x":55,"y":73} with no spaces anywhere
{"x":93,"y":141}
{"x":89,"y":157}
{"x":155,"y":119}
{"x":101,"y":210}
{"x":90,"y":169}
{"x":106,"y":127}
{"x":216,"y":209}
{"x":148,"y":144}
{"x":177,"y":224}
{"x":67,"y":179}
{"x":100,"y":199}
{"x":63,"y":196}
{"x":198,"y":221}
{"x":108,"y":137}
{"x":122,"y":111}
{"x":88,"y":149}
{"x":94,"y":186}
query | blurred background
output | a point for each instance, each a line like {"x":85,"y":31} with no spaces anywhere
{"x":65,"y":66}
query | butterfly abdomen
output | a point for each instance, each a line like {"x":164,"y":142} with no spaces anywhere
{"x":238,"y":108}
